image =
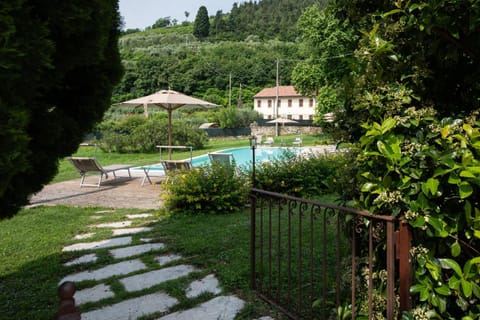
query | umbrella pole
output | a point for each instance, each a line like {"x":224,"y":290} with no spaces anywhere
{"x":169,"y":134}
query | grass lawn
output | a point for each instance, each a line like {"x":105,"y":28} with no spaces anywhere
{"x":32,"y":257}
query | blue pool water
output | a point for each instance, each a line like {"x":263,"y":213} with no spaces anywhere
{"x":242,"y":156}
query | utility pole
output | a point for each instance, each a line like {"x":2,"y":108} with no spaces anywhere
{"x":276,"y":96}
{"x":230,"y":90}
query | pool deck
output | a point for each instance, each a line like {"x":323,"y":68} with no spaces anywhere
{"x":113,"y":193}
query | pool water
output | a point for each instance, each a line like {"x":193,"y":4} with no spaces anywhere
{"x":242,"y":156}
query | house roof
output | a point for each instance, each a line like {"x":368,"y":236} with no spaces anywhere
{"x":283,"y":91}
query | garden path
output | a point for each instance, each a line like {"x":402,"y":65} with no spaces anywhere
{"x":131,"y":268}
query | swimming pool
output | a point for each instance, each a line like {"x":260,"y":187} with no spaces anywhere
{"x":242,"y":156}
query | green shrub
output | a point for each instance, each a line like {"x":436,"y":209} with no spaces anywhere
{"x":301,"y":176}
{"x":134,"y":134}
{"x":207,"y":189}
{"x":427,"y":170}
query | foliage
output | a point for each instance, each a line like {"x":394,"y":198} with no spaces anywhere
{"x":236,"y":118}
{"x":53,"y":90}
{"x":265,"y":19}
{"x":409,"y":94}
{"x":202,"y":69}
{"x":215,"y":188}
{"x":162,"y":23}
{"x":134,"y":134}
{"x":329,"y":42}
{"x":433,"y":179}
{"x":301,"y":176}
{"x":201,"y":25}
{"x":416,"y":162}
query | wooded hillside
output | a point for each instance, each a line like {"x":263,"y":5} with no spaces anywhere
{"x":236,"y":60}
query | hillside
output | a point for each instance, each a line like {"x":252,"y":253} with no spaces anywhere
{"x":242,"y":51}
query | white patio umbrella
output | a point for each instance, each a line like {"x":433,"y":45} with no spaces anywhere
{"x":281,"y":121}
{"x":168,"y":100}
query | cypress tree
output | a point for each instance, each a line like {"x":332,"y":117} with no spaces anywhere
{"x":201,"y":26}
{"x":59,"y":60}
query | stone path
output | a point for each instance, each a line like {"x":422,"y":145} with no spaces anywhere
{"x":132,"y":273}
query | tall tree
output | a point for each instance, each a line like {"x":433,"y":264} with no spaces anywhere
{"x":201,"y":26}
{"x":58,"y":62}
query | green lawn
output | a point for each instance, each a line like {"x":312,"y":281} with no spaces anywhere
{"x":32,"y":257}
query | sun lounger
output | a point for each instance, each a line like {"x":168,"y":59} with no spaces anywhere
{"x":269,"y":141}
{"x":225,"y":159}
{"x":297,"y":142}
{"x":174,"y":165}
{"x":85,"y":165}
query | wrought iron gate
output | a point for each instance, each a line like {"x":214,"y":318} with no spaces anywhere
{"x":307,"y":259}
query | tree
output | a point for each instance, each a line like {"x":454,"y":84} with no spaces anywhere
{"x":329,"y":44}
{"x":58,"y":62}
{"x":162,"y":23}
{"x":201,"y":26}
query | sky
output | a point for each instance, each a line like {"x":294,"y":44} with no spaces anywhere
{"x":143,"y":13}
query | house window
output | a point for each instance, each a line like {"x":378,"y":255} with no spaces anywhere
{"x":310,"y":103}
{"x":269,"y":103}
{"x":310,"y":117}
{"x":290,"y":102}
{"x":289,"y":116}
{"x":259,"y":103}
{"x":300,"y":102}
{"x":300,"y":117}
{"x":269,"y":116}
{"x":279,"y":103}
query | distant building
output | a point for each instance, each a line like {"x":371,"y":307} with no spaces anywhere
{"x":291,"y":105}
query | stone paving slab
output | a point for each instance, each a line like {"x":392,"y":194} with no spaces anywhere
{"x":93,"y":294}
{"x":121,"y":232}
{"x":133,"y":308}
{"x":135,"y":250}
{"x":149,"y":279}
{"x":219,"y":308}
{"x":115,"y":242}
{"x":119,"y":224}
{"x":87,"y":258}
{"x":84,"y":236}
{"x":139,"y":215}
{"x":117,"y":269}
{"x":162,"y":260}
{"x":209,"y":284}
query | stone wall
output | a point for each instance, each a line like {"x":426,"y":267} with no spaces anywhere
{"x":287,"y":129}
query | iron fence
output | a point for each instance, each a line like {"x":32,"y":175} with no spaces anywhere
{"x":314,"y":260}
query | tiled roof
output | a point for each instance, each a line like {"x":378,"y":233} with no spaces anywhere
{"x":283,"y":91}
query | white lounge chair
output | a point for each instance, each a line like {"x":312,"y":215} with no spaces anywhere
{"x":225,"y":159}
{"x":269,"y":141}
{"x":85,"y":165}
{"x":297,"y":142}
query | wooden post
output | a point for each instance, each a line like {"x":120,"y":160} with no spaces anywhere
{"x":66,"y":308}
